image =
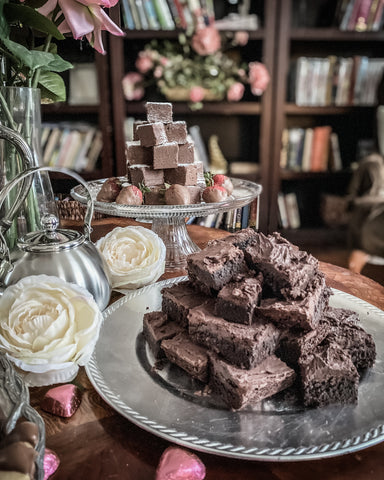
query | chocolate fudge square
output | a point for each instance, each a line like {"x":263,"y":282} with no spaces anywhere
{"x":145,"y":175}
{"x":138,"y":155}
{"x":304,"y":313}
{"x":165,"y":155}
{"x":159,"y":112}
{"x":237,"y":300}
{"x":151,"y":134}
{"x":177,"y":132}
{"x":328,"y":376}
{"x":154,"y":195}
{"x":156,"y":328}
{"x":179,"y":299}
{"x":239,"y":388}
{"x":216,"y":265}
{"x":346,"y":331}
{"x":183,"y":174}
{"x":186,"y":153}
{"x":286,"y":269}
{"x":194,"y":193}
{"x":192,"y":358}
{"x":136,"y":123}
{"x":242,"y":345}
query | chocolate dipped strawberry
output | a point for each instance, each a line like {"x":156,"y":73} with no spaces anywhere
{"x":109,"y":190}
{"x":223,"y":181}
{"x":130,"y":195}
{"x":177,"y":195}
{"x":214,"y":194}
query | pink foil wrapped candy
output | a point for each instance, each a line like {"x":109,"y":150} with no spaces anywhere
{"x":51,"y":463}
{"x":62,"y":401}
{"x":179,"y":464}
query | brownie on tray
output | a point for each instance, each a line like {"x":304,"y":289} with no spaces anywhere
{"x":192,"y":358}
{"x":212,"y":268}
{"x":179,"y":299}
{"x":286,"y":269}
{"x":328,"y":376}
{"x":242,"y":345}
{"x":346,"y":331}
{"x":238,"y":387}
{"x":237,"y":300}
{"x":156,"y":328}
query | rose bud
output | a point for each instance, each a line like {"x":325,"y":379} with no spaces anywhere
{"x":214,"y":194}
{"x":130,"y":195}
{"x":109,"y":190}
{"x":223,"y":181}
{"x":177,"y":195}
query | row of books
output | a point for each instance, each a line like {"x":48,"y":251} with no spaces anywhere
{"x":72,"y":145}
{"x":288,"y":209}
{"x":360,"y":15}
{"x":233,"y":220}
{"x":317,"y":81}
{"x":310,"y":149}
{"x":165,"y":14}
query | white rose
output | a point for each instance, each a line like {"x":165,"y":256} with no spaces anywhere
{"x":48,"y":327}
{"x":135,"y":256}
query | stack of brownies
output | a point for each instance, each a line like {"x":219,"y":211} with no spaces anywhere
{"x":254,"y":319}
{"x":161,"y":153}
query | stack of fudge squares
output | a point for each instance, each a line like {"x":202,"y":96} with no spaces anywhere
{"x":254,"y":319}
{"x":162,"y":153}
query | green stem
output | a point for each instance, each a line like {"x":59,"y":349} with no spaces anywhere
{"x":7,"y":112}
{"x":36,"y":75}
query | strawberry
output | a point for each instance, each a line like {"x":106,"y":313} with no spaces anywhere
{"x":109,"y":190}
{"x":130,"y":195}
{"x":223,"y":181}
{"x":177,"y":195}
{"x":214,"y":194}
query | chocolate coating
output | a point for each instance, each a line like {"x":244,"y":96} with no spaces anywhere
{"x":109,"y":190}
{"x":177,"y":195}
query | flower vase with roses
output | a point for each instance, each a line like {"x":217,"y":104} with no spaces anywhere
{"x":195,"y":69}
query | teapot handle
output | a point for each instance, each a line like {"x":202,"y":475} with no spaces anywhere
{"x":25,"y":152}
{"x":26,"y":173}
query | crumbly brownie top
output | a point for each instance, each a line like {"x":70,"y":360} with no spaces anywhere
{"x":246,"y":290}
{"x":215,"y":256}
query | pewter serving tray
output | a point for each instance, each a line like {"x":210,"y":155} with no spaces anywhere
{"x":169,"y":404}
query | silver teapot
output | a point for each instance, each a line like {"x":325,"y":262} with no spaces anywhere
{"x":64,"y":253}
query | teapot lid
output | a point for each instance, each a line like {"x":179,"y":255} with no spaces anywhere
{"x":50,"y":239}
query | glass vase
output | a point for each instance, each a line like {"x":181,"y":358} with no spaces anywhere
{"x":20,"y":110}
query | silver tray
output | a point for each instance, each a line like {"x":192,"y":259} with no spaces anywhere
{"x":169,"y":404}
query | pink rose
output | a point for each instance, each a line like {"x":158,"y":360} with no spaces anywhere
{"x":196,"y":94}
{"x":235,"y":92}
{"x":158,"y":72}
{"x":144,"y":62}
{"x":241,"y":38}
{"x":258,"y":77}
{"x":131,"y":86}
{"x":206,"y":40}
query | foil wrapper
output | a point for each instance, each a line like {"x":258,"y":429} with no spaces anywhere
{"x":180,"y":464}
{"x":51,"y":463}
{"x":63,"y":400}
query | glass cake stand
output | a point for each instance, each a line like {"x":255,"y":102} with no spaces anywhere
{"x":169,"y":221}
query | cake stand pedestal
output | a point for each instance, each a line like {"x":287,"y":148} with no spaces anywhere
{"x":169,"y":221}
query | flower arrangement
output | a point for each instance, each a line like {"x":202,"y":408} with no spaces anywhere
{"x":196,"y":68}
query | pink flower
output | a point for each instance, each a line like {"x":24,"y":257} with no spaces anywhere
{"x":235,"y":92}
{"x":206,"y":40}
{"x":131,"y":86}
{"x":258,"y":77}
{"x":196,"y":94}
{"x":144,"y":62}
{"x":241,"y":38}
{"x":158,"y":72}
{"x":84,"y":18}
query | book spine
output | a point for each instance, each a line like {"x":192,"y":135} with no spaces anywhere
{"x":135,"y":14}
{"x":180,"y":12}
{"x":127,"y":15}
{"x":254,"y":214}
{"x":142,"y":16}
{"x":164,"y":15}
{"x":151,"y":15}
{"x":320,"y":148}
{"x":175,"y":13}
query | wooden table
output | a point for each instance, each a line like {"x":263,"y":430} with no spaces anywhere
{"x":96,"y":443}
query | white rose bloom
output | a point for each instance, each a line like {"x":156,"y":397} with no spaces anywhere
{"x":48,"y":327}
{"x":135,"y":256}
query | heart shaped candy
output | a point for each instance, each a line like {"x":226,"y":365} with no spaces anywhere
{"x":179,"y":464}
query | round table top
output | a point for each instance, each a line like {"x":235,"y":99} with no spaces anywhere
{"x":99,"y":444}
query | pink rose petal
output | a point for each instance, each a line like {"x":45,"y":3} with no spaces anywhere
{"x":179,"y":464}
{"x":51,"y":463}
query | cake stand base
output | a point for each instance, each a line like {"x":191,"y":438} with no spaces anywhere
{"x":178,"y":243}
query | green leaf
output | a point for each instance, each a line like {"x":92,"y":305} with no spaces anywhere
{"x":52,"y":87}
{"x":32,"y":18}
{"x":4,"y":27}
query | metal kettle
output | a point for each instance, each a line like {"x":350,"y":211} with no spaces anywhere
{"x":64,"y":253}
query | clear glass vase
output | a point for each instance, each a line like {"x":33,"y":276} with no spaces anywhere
{"x":20,"y":110}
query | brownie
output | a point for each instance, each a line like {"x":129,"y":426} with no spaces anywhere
{"x":212,"y":268}
{"x":145,"y":175}
{"x":328,"y":376}
{"x":237,"y":300}
{"x":346,"y":331}
{"x":242,"y":345}
{"x":186,"y":153}
{"x":177,"y":132}
{"x":165,"y":155}
{"x":136,"y":123}
{"x":302,"y":313}
{"x":192,"y":358}
{"x":183,"y":174}
{"x":240,"y":239}
{"x":137,"y":154}
{"x":157,"y":327}
{"x":159,"y":112}
{"x":287,"y":269}
{"x":154,"y":195}
{"x":239,"y":388}
{"x":151,"y":134}
{"x":179,"y":299}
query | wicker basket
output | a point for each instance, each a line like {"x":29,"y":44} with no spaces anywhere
{"x":74,"y":210}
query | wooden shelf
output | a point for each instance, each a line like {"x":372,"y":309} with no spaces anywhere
{"x":334,"y":35}
{"x":293,"y":109}
{"x":213,"y":108}
{"x":65,"y":109}
{"x":289,"y":175}
{"x":173,"y":34}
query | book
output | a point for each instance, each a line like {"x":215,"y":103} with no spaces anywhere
{"x":94,"y":151}
{"x":282,"y":210}
{"x":81,"y":160}
{"x":292,"y":210}
{"x":239,"y":212}
{"x":320,"y":148}
{"x":307,"y":150}
{"x":253,"y":221}
{"x":53,"y":140}
{"x":135,"y":14}
{"x":83,"y":85}
{"x":181,"y":15}
{"x":295,"y":148}
{"x":245,"y":216}
{"x":378,"y":17}
{"x":164,"y":15}
{"x":142,"y":15}
{"x":175,"y":13}
{"x":127,"y":15}
{"x":335,"y":161}
{"x":197,"y":138}
{"x":150,"y":11}
{"x":361,"y":24}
